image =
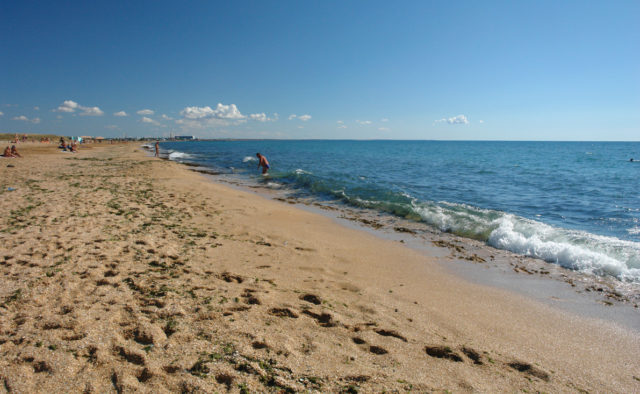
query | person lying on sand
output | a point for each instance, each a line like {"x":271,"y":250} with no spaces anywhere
{"x":14,"y":152}
{"x":263,"y":162}
{"x":73,"y":148}
{"x":7,"y":152}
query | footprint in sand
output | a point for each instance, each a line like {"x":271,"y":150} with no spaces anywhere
{"x":529,"y":369}
{"x":390,"y":333}
{"x":131,"y":355}
{"x":442,"y":352}
{"x":473,"y":355}
{"x":259,"y":345}
{"x":283,"y":312}
{"x":323,"y":319}
{"x":249,"y":298}
{"x":228,"y":277}
{"x":314,"y":299}
{"x":377,"y":350}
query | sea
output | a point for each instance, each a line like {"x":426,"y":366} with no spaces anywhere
{"x":575,"y":204}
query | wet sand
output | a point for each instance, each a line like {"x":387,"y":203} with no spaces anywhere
{"x":121,"y":272}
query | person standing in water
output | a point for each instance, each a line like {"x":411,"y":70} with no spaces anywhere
{"x":157,"y":148}
{"x":263,"y":162}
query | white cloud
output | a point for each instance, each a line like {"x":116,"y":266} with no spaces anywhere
{"x":91,"y":111}
{"x":71,"y":106}
{"x":364,"y":122}
{"x":340,"y":122}
{"x":145,"y":112}
{"x":165,"y":117}
{"x":460,"y":119}
{"x":481,"y":121}
{"x":262,"y":117}
{"x":68,"y":106}
{"x":25,"y":119}
{"x":342,"y":126}
{"x":384,"y":120}
{"x":36,"y":108}
{"x":383,"y":128}
{"x":149,"y":120}
{"x":1,"y":113}
{"x":221,"y":112}
{"x":120,"y":114}
{"x":303,"y":118}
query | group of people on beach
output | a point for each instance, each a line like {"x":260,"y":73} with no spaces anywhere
{"x":11,"y":152}
{"x":68,"y":147}
{"x":17,"y":138}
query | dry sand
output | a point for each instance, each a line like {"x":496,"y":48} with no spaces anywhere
{"x":121,"y":272}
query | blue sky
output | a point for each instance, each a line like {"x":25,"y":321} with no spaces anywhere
{"x":523,"y":70}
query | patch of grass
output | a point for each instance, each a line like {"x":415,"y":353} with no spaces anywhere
{"x":243,"y":388}
{"x":228,"y":348}
{"x":15,"y":296}
{"x":199,"y":369}
{"x":171,"y":327}
{"x":350,"y":389}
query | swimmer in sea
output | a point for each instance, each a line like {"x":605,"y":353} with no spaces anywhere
{"x":263,"y":162}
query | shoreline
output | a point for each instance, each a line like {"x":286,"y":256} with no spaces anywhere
{"x":584,"y":294}
{"x":131,"y":273}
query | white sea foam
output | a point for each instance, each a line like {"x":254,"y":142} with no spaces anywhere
{"x":577,"y":250}
{"x":178,"y":155}
{"x":301,"y":171}
{"x":634,"y":230}
{"x":571,"y":249}
{"x":248,"y":159}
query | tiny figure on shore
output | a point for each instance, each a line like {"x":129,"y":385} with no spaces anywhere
{"x":263,"y":162}
{"x":14,"y":152}
{"x":157,"y":148}
{"x":631,"y":159}
{"x":7,"y":152}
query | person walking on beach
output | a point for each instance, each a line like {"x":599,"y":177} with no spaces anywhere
{"x":263,"y":162}
{"x":157,"y":148}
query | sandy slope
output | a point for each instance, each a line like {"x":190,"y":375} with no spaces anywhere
{"x":120,"y":272}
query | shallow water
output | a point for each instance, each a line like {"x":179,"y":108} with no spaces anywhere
{"x":572,"y":203}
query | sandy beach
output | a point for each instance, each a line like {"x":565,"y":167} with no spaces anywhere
{"x":121,"y":272}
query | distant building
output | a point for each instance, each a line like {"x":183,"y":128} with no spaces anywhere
{"x":184,"y":137}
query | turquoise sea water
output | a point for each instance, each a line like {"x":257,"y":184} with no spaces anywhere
{"x":576,"y":204}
